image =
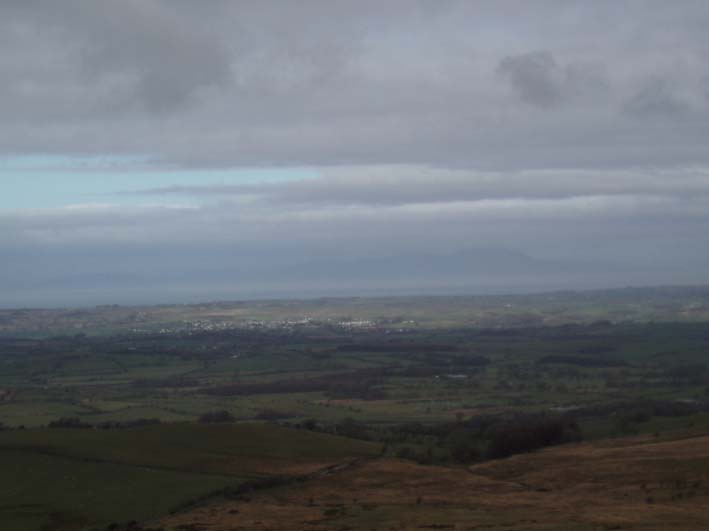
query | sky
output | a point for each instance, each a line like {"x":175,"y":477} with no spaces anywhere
{"x":175,"y":150}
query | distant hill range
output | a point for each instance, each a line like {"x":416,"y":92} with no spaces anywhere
{"x":481,"y":270}
{"x":489,"y":261}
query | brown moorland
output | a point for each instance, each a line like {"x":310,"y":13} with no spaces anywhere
{"x":636,"y":483}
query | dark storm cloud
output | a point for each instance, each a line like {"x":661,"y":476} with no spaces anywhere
{"x":170,"y":57}
{"x":536,"y":77}
{"x":656,"y":99}
{"x":120,"y":52}
{"x":541,"y":81}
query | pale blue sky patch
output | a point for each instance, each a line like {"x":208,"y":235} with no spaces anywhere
{"x":53,"y":182}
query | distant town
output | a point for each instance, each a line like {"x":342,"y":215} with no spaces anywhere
{"x":202,"y":325}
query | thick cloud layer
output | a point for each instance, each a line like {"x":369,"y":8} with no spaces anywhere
{"x":559,"y":128}
{"x":476,"y":84}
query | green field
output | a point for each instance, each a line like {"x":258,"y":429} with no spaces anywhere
{"x":379,"y":376}
{"x":444,"y":381}
{"x":76,"y":479}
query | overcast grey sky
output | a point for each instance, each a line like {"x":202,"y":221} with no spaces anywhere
{"x":136,"y":135}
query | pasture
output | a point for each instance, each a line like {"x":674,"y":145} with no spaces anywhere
{"x":87,"y":479}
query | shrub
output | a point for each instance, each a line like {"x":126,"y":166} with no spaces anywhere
{"x":118,"y":425}
{"x":272,"y":414}
{"x":349,"y":427}
{"x":217,"y":416}
{"x":404,"y":453}
{"x":70,"y":422}
{"x":310,"y":424}
{"x":525,"y":436}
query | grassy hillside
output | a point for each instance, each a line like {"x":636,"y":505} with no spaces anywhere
{"x":627,"y":484}
{"x":75,"y":478}
{"x":50,"y":492}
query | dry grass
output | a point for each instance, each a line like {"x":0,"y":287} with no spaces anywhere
{"x":630,"y":484}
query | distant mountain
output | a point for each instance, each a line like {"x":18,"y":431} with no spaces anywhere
{"x":486,"y":261}
{"x":94,"y":280}
{"x":468,"y":265}
{"x":474,"y":270}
